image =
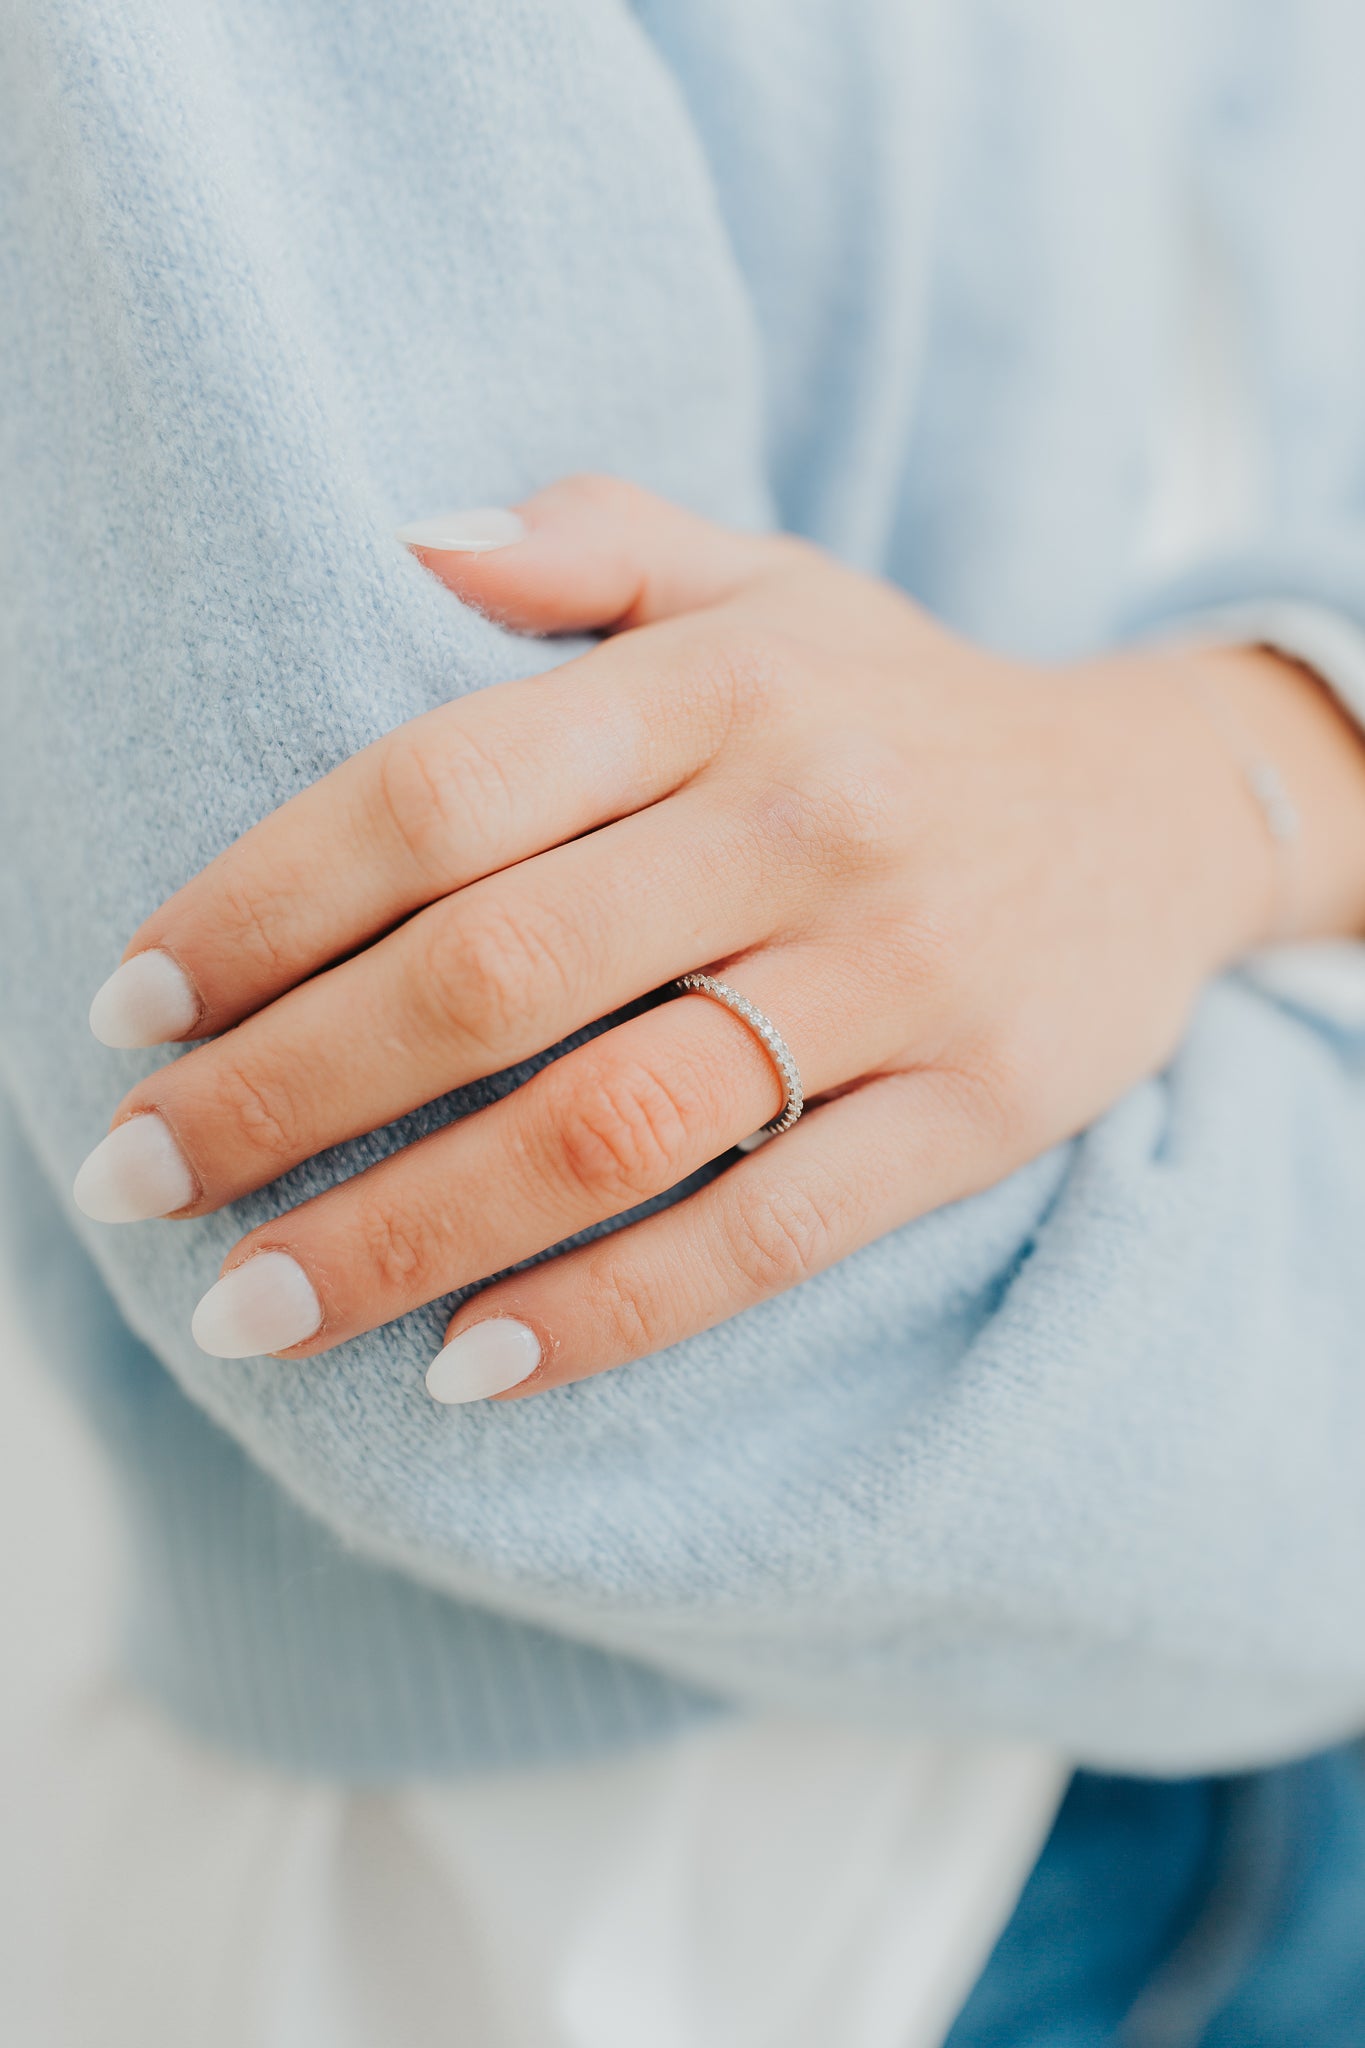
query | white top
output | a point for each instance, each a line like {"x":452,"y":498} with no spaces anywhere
{"x":759,"y":1885}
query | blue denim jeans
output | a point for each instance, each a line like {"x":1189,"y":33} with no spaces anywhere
{"x":1206,"y":1913}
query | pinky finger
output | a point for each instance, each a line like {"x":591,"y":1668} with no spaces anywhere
{"x":850,"y":1171}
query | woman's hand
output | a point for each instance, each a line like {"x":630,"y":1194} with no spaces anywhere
{"x":976,"y":898}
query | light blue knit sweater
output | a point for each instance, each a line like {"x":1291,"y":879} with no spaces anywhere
{"x":1081,"y":1458}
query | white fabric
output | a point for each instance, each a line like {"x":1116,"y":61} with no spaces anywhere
{"x":761,"y":1885}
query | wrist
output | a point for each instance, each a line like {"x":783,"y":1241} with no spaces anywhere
{"x":1273,"y":779}
{"x":1300,"y":761}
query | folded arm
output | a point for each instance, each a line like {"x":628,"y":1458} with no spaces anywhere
{"x":1078,"y":1453}
{"x":983,"y":1430}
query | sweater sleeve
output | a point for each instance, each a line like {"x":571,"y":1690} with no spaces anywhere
{"x":1078,"y":1458}
{"x":1278,"y":158}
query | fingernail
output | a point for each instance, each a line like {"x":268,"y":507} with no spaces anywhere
{"x":144,"y":1002}
{"x":136,"y":1172}
{"x":265,"y":1304}
{"x":476,"y":532}
{"x":484,"y":1360}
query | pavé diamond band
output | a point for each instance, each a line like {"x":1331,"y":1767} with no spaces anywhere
{"x":768,"y":1036}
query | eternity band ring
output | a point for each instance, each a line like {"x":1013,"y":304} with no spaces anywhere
{"x":768,"y":1036}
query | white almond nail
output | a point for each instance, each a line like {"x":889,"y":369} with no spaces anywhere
{"x":484,"y":1360}
{"x":266,"y":1304}
{"x":136,"y":1172}
{"x":476,"y":532}
{"x":145,"y":1002}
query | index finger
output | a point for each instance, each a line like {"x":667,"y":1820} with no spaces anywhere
{"x":454,"y":795}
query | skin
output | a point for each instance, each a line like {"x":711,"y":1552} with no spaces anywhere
{"x":977,"y":896}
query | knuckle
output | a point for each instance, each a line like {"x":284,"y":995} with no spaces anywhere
{"x":998,"y":1091}
{"x":933,"y":950}
{"x":597,"y":492}
{"x":746,"y":679}
{"x":492,"y":974}
{"x":759,"y":671}
{"x":400,"y":1250}
{"x":913,"y":956}
{"x":792,"y":554}
{"x":263,"y":1112}
{"x":621,"y":1310}
{"x":256,"y":920}
{"x":781,"y":1237}
{"x":837,"y":815}
{"x":859,"y":798}
{"x":706,"y":701}
{"x":622,"y":1135}
{"x":784,"y":828}
{"x":439,"y":795}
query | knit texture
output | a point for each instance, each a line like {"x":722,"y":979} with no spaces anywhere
{"x":1079,"y":1458}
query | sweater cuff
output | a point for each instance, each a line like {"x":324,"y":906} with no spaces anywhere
{"x":1324,"y":978}
{"x":1326,"y":641}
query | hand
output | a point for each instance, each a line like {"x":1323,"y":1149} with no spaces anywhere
{"x":976,"y":897}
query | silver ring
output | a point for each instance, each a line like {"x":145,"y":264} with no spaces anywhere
{"x":768,"y":1036}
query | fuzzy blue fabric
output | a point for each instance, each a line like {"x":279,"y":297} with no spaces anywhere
{"x":1080,"y":1458}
